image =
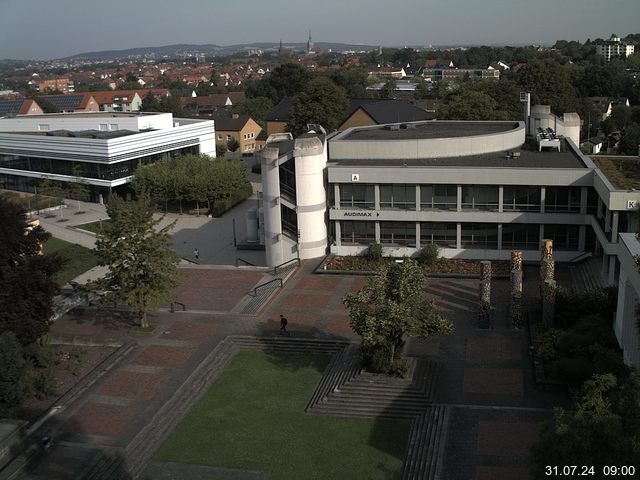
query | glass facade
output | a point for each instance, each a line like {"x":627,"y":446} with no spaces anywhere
{"x":439,"y":197}
{"x":562,"y":199}
{"x":398,"y":233}
{"x":91,"y":170}
{"x":479,"y":235}
{"x":289,"y":222}
{"x":565,"y":237}
{"x":520,"y":236}
{"x":443,"y":234}
{"x":400,"y":196}
{"x":287,"y":172}
{"x":480,"y":197}
{"x":521,"y":198}
{"x":357,"y":233}
{"x":357,"y":196}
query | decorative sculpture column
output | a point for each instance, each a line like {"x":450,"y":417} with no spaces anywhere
{"x":547,"y":265}
{"x":515,"y":310}
{"x":484,"y":320}
{"x":549,"y":288}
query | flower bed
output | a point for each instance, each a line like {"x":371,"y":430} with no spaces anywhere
{"x":442,"y":265}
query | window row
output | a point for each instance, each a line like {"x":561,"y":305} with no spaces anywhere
{"x":472,"y":235}
{"x":474,"y":197}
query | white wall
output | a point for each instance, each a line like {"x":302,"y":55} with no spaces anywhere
{"x":87,"y":121}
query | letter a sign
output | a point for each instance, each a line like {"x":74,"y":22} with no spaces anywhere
{"x":355,"y":177}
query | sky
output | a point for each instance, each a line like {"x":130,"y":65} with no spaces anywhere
{"x":42,"y":30}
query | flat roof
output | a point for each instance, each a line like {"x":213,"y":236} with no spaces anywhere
{"x":429,"y":130}
{"x":622,"y":172}
{"x":529,"y":158}
{"x":89,"y":114}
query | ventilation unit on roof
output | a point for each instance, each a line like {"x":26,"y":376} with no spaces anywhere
{"x":393,"y":126}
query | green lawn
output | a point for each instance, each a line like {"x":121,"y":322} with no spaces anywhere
{"x":253,"y":418}
{"x":79,"y":259}
{"x":94,"y":227}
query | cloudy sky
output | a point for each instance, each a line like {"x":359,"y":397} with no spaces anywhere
{"x":39,"y":29}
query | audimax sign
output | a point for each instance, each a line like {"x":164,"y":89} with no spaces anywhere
{"x":359,"y":214}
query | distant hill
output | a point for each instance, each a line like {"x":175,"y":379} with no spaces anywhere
{"x":173,"y":51}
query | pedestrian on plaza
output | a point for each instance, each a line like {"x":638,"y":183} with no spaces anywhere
{"x":283,"y":323}
{"x":196,"y":253}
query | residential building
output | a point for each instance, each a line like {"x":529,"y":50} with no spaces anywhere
{"x":25,"y":106}
{"x":99,"y":149}
{"x":72,"y":103}
{"x":209,"y":104}
{"x":118,"y":100}
{"x":242,"y":128}
{"x":614,"y":48}
{"x":63,"y":85}
{"x":436,"y":74}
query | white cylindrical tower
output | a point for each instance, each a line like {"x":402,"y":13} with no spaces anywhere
{"x":311,"y":160}
{"x":273,"y":243}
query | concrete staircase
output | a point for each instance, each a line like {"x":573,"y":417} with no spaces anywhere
{"x":586,"y":275}
{"x":253,"y":301}
{"x":360,"y":393}
{"x":425,"y":450}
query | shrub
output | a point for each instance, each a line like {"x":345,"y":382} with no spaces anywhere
{"x":374,"y":252}
{"x":43,"y":384}
{"x":546,"y":345}
{"x":13,"y":370}
{"x":571,"y":305}
{"x":375,"y":358}
{"x":573,"y":371}
{"x":40,"y":353}
{"x":429,"y":254}
{"x":220,"y":206}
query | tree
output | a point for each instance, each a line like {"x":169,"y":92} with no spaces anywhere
{"x":391,"y":305}
{"x":232,"y":144}
{"x":142,"y":268}
{"x":79,"y":188}
{"x":322,"y":102}
{"x":257,"y":108}
{"x":602,"y":428}
{"x":26,"y":284}
{"x":171,"y":104}
{"x":469,"y":105}
{"x":353,"y":79}
{"x":549,"y":84}
{"x":150,"y":103}
{"x":630,"y":141}
{"x":286,"y":80}
{"x":13,"y":372}
{"x":388,"y":90}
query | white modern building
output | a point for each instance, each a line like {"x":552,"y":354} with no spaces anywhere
{"x":614,"y":48}
{"x":478,"y":190}
{"x":99,"y":149}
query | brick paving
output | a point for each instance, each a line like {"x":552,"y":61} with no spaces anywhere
{"x":488,"y":371}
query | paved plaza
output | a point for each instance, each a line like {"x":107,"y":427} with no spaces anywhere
{"x":486,"y":375}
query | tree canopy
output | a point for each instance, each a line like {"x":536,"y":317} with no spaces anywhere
{"x":321,"y":102}
{"x":142,"y":268}
{"x":284,"y":81}
{"x":602,"y":428}
{"x":26,"y":285}
{"x":392,"y":304}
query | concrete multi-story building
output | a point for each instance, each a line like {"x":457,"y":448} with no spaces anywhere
{"x":63,"y":85}
{"x":100,"y":150}
{"x":478,"y":190}
{"x":118,"y":100}
{"x":614,"y":48}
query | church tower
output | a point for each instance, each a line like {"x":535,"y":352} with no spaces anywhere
{"x":309,"y":43}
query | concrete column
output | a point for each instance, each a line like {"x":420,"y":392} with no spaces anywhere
{"x":417,"y":198}
{"x":582,"y":236}
{"x":612,"y":270}
{"x":336,"y":193}
{"x":501,"y":198}
{"x":271,"y":206}
{"x":607,"y":220}
{"x":543,"y":194}
{"x":338,"y":233}
{"x":458,"y":235}
{"x":614,"y":226}
{"x":418,"y":235}
{"x":584,"y":192}
{"x":376,"y":196}
{"x":377,"y":232}
{"x":459,"y":199}
{"x":499,"y":236}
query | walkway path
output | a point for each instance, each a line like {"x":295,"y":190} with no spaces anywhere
{"x":492,"y":409}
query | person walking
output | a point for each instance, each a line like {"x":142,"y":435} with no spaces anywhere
{"x":196,"y":253}
{"x":283,"y":323}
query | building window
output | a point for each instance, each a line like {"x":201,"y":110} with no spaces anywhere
{"x":521,"y":198}
{"x":439,"y":197}
{"x":480,"y":197}
{"x":43,"y":127}
{"x":400,"y":196}
{"x":443,"y":234}
{"x":398,"y":233}
{"x":113,"y":126}
{"x":479,"y":235}
{"x":520,"y":236}
{"x":357,"y":233}
{"x":228,"y":137}
{"x":289,"y":222}
{"x":287,"y":171}
{"x":220,"y":138}
{"x":357,"y":196}
{"x":562,"y":199}
{"x":565,"y":237}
